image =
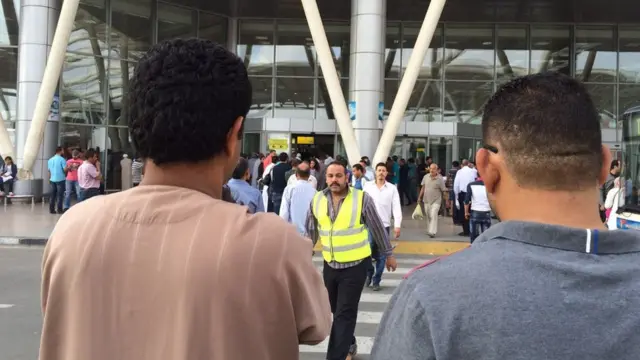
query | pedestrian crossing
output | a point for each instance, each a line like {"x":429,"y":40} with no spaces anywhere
{"x":370,"y":310}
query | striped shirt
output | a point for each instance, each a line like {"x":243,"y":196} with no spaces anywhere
{"x":295,"y":203}
{"x":136,"y":171}
{"x":370,"y":219}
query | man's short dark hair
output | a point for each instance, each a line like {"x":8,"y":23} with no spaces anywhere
{"x":338,"y":163}
{"x":358,"y":167}
{"x":295,"y":162}
{"x":548,"y":131}
{"x":89,"y":153}
{"x":614,"y":164}
{"x":303,"y":174}
{"x":184,"y":98}
{"x":456,"y":164}
{"x":283,"y":157}
{"x":241,"y":169}
{"x":380,"y":164}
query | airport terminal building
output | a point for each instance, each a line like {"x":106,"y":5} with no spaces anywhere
{"x":478,"y":45}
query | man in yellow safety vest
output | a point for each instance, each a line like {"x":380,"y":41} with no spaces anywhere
{"x":342,"y":217}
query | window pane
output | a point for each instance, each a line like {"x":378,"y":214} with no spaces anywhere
{"x":550,"y":48}
{"x":338,"y":35}
{"x":629,"y":97}
{"x":324,"y":107}
{"x":424,"y":104}
{"x":81,"y":94}
{"x":295,"y":54}
{"x":81,"y":136}
{"x":604,"y":97}
{"x":9,"y":14}
{"x":463,"y":101}
{"x":255,"y":46}
{"x":130,"y":28}
{"x":432,"y":64}
{"x":261,"y":104}
{"x":465,"y":148}
{"x":175,"y":22}
{"x":212,"y":27}
{"x":512,"y":57}
{"x":89,"y":35}
{"x":251,"y":143}
{"x":8,"y":81}
{"x":469,"y":52}
{"x":596,"y":54}
{"x":294,"y":98}
{"x":392,"y":52}
{"x":390,"y":91}
{"x":629,"y":54}
{"x":120,"y":73}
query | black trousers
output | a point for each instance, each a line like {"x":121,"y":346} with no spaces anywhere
{"x":463,"y":221}
{"x":344,"y":287}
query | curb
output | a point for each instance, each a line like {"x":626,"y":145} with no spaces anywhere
{"x":23,"y":241}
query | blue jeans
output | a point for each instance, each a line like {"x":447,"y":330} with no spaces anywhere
{"x":57,"y":195}
{"x":481,"y":220}
{"x":376,"y":269}
{"x":71,"y":186}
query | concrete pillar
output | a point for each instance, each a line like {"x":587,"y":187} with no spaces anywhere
{"x":38,"y":19}
{"x":366,"y":68}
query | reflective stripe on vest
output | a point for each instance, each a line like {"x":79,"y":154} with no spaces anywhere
{"x":346,"y":239}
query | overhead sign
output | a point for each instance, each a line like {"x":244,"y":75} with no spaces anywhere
{"x":352,"y":110}
{"x":380,"y":110}
{"x":278,"y":144}
{"x":305,"y":140}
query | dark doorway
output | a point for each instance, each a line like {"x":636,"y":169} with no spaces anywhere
{"x":311,"y":145}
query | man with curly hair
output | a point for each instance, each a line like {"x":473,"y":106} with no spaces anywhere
{"x":168,"y":270}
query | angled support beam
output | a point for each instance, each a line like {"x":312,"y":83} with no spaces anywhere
{"x":409,"y":79}
{"x":49,"y":84}
{"x":325,"y":59}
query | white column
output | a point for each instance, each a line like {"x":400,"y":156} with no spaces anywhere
{"x":38,"y":19}
{"x":366,"y":68}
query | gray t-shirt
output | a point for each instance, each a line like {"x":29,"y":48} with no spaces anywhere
{"x":522,"y":291}
{"x":433,"y":189}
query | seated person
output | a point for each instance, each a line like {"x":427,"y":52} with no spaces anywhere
{"x":8,"y":173}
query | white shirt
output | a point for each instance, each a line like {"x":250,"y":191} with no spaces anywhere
{"x":312,"y":180}
{"x":387,"y":202}
{"x":464,"y":177}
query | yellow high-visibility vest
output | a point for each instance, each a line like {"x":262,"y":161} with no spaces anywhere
{"x":346,"y":239}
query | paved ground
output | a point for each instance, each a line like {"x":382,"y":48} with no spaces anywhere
{"x":20,"y":314}
{"x":21,"y":220}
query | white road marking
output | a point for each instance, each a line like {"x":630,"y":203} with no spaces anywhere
{"x":375,"y":297}
{"x":6,"y":306}
{"x":401,"y":261}
{"x":365,"y":344}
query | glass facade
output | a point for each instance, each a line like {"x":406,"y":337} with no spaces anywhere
{"x":9,"y":31}
{"x":105,"y":44}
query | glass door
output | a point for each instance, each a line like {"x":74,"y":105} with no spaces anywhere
{"x":441,"y":151}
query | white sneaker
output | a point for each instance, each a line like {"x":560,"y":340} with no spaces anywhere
{"x":10,"y":194}
{"x":1,"y":193}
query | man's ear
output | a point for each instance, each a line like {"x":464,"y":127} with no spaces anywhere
{"x":488,"y":169}
{"x":606,"y":163}
{"x":234,"y":135}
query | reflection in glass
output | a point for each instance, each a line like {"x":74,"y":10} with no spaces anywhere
{"x":424,"y":104}
{"x":295,"y":54}
{"x":512,"y":56}
{"x":255,"y":46}
{"x":628,"y":97}
{"x":120,"y":73}
{"x":390,"y":91}
{"x":392,"y":52}
{"x":604,"y":97}
{"x":261,"y":104}
{"x":464,"y":100}
{"x":550,"y":49}
{"x":441,"y":152}
{"x":9,"y":66}
{"x":324,"y":108}
{"x":466,"y":148}
{"x":130,"y":28}
{"x":338,"y":35}
{"x":629,"y":55}
{"x":433,"y":63}
{"x":89,"y":35}
{"x":596,"y":55}
{"x":81,"y":91}
{"x":82,"y":136}
{"x":175,"y":22}
{"x":10,"y":14}
{"x":294,"y":98}
{"x":212,"y":27}
{"x":469,"y":53}
{"x":251,"y":143}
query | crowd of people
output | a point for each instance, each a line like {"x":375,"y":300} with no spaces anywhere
{"x":169,"y":270}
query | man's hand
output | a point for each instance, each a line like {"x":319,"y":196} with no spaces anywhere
{"x":391,"y":263}
{"x":467,"y":215}
{"x":396,"y":232}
